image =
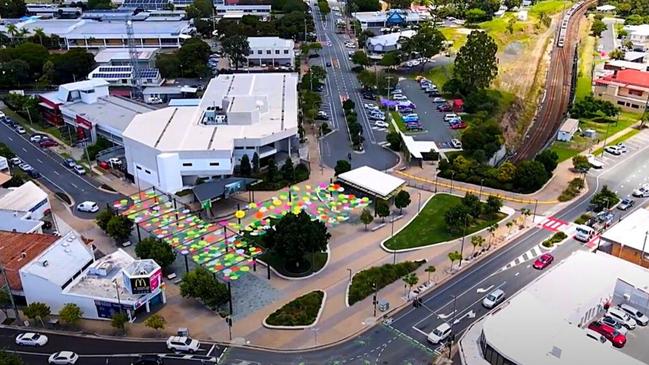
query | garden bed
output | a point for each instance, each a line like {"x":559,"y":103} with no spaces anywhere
{"x":429,"y":227}
{"x":573,"y":189}
{"x":382,"y":276}
{"x":300,"y":312}
{"x":556,"y":238}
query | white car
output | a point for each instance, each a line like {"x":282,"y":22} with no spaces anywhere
{"x":615,"y":150}
{"x":79,"y":170}
{"x":456,"y":143}
{"x":350,"y":45}
{"x":114,"y":161}
{"x":183,"y":344}
{"x":635,"y":314}
{"x":381,"y":124}
{"x":594,"y":162}
{"x":438,"y":100}
{"x":25,"y":167}
{"x":642,"y":191}
{"x":16,"y":161}
{"x":31,"y":339}
{"x":450,"y":116}
{"x":622,"y":317}
{"x":20,"y":130}
{"x":370,"y":106}
{"x":399,"y":97}
{"x":37,"y":138}
{"x":88,"y":206}
{"x":63,"y":357}
{"x":154,"y":100}
{"x":493,"y":299}
{"x":439,"y":334}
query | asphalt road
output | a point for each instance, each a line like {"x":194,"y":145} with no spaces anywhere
{"x":607,"y":41}
{"x":341,"y":83}
{"x":54,"y":175}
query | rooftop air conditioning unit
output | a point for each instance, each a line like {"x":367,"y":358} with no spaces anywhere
{"x":45,"y":263}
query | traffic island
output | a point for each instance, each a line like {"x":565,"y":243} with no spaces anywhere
{"x":366,"y":282}
{"x":300,"y":313}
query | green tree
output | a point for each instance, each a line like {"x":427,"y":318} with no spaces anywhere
{"x":271,"y":171}
{"x":580,"y":163}
{"x":411,"y":280}
{"x":382,"y":209}
{"x":530,"y":176}
{"x":510,"y":4}
{"x":236,"y":48}
{"x":244,"y":166}
{"x":456,"y":217}
{"x":168,"y":64}
{"x":475,"y":15}
{"x":324,"y":8}
{"x":476,"y":65}
{"x":6,"y":152}
{"x":119,"y":228}
{"x":402,"y":200}
{"x":204,"y":7}
{"x":295,"y":235}
{"x":477,"y":241}
{"x":255,"y":162}
{"x":71,"y":314}
{"x":545,"y":19}
{"x":361,"y":58}
{"x":430,"y":270}
{"x":342,"y":166}
{"x":288,"y":171}
{"x":454,"y":256}
{"x":12,"y":9}
{"x":472,"y":202}
{"x":201,"y":284}
{"x":102,"y":218}
{"x":156,"y":322}
{"x":510,"y":25}
{"x":8,"y":358}
{"x":427,"y":42}
{"x":598,"y":27}
{"x":617,"y":54}
{"x":493,"y":205}
{"x":394,"y":139}
{"x":34,"y":54}
{"x":492,"y":233}
{"x":193,"y":56}
{"x":390,"y":59}
{"x":549,"y":159}
{"x":366,"y":217}
{"x":157,"y":250}
{"x":72,"y":65}
{"x":506,"y":172}
{"x":604,"y":199}
{"x":38,"y":311}
{"x":119,"y":321}
{"x":348,"y":105}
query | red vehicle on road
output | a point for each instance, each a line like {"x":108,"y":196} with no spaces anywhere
{"x":458,"y":125}
{"x":543,"y":261}
{"x":616,"y":338}
{"x":48,"y":143}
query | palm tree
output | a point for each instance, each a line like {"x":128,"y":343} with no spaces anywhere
{"x":492,"y":229}
{"x":477,"y":241}
{"x":38,"y":32}
{"x":454,"y":256}
{"x":526,"y":213}
{"x":430,"y":269}
{"x":509,"y":225}
{"x":12,"y":29}
{"x":410,"y":280}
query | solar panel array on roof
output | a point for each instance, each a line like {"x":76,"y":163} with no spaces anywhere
{"x":111,"y":75}
{"x":115,"y":69}
{"x":149,"y":73}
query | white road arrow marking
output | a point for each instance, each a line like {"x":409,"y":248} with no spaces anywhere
{"x":470,"y":314}
{"x":444,"y":316}
{"x":484,"y":290}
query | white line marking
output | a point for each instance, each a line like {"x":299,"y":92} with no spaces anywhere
{"x":75,"y":186}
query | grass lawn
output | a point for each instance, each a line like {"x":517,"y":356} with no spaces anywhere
{"x":382,"y":276}
{"x":585,"y":75}
{"x":301,"y":311}
{"x":566,"y":150}
{"x":398,"y":120}
{"x":429,"y":226}
{"x":549,"y":7}
{"x":453,"y":34}
{"x":440,"y":74}
{"x":621,"y":138}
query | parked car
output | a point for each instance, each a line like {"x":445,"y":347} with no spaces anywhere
{"x":376,"y":116}
{"x":594,"y":162}
{"x":405,"y":109}
{"x":493,"y":299}
{"x":33,"y":173}
{"x":79,"y":170}
{"x":635,"y":314}
{"x":625,"y":204}
{"x":622,"y":317}
{"x":397,"y":91}
{"x":598,"y":324}
{"x":455,"y":143}
{"x":410,"y":118}
{"x":322,"y":115}
{"x":369,"y":106}
{"x":595,"y":336}
{"x":25,"y":167}
{"x":31,"y":339}
{"x":450,"y":116}
{"x":444,"y":108}
{"x":609,"y":321}
{"x":69,"y":163}
{"x":63,"y":358}
{"x":543,"y":261}
{"x":182,"y":344}
{"x":37,"y":137}
{"x":20,"y":130}
{"x":399,"y":97}
{"x":642,"y":191}
{"x":88,"y":207}
{"x":615,"y":150}
{"x":15,"y":161}
{"x":45,"y":143}
{"x":381,"y":124}
{"x":439,"y":334}
{"x":439,"y":100}
{"x":616,"y":338}
{"x":458,"y":124}
{"x":156,"y":360}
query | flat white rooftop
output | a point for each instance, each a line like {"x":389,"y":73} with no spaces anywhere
{"x":270,"y":96}
{"x":540,"y":324}
{"x":630,"y":231}
{"x":111,"y":112}
{"x":110,"y":54}
{"x":270,"y":42}
{"x":417,"y":148}
{"x":371,"y":180}
{"x":22,"y":198}
{"x":390,"y":38}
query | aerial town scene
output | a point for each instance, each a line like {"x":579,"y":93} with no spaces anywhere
{"x":324,"y":182}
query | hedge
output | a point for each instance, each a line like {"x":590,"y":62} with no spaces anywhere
{"x":383,"y":276}
{"x":302,"y":311}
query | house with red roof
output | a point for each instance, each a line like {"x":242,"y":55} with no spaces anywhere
{"x":628,"y":89}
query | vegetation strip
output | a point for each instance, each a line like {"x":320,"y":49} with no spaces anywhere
{"x":381,"y":276}
{"x":302,"y":311}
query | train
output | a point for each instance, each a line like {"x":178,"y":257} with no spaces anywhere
{"x":565,"y":21}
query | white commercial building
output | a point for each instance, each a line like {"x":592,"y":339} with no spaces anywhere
{"x":67,"y":272}
{"x":545,"y":324}
{"x":239,"y":114}
{"x":28,"y":200}
{"x":237,"y":11}
{"x":394,"y":17}
{"x":88,"y":107}
{"x":388,"y":42}
{"x":568,"y":129}
{"x":639,"y":35}
{"x":271,"y":51}
{"x":373,"y":182}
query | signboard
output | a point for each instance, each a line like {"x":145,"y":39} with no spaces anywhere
{"x":146,"y":284}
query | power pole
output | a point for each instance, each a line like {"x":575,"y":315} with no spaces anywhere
{"x":11,"y":297}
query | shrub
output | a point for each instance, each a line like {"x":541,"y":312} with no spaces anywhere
{"x":556,"y":238}
{"x":301,"y":311}
{"x":573,"y":189}
{"x":583,"y":218}
{"x":382,"y":276}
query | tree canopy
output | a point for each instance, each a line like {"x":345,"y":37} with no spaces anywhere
{"x":342,"y":166}
{"x":12,"y":9}
{"x":427,"y":42}
{"x":236,"y":48}
{"x":295,"y":235}
{"x":201,"y":284}
{"x":476,"y":65}
{"x":157,"y":250}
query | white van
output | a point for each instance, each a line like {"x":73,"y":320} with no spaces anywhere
{"x":584,"y":233}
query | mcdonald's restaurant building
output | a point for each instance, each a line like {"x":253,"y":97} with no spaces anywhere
{"x":68,"y":272}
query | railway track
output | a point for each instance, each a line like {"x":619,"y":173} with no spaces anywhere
{"x":557,"y":85}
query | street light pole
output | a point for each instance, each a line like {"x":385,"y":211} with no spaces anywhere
{"x":643,"y":247}
{"x":462,"y":245}
{"x":374,"y":298}
{"x":419,"y":202}
{"x":452,"y":177}
{"x":480,"y":194}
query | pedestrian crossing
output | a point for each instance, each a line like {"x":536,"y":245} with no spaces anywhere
{"x":553,"y":224}
{"x":531,"y":254}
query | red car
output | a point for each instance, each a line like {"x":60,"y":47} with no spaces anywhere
{"x":543,"y":261}
{"x":444,"y":108}
{"x":616,"y":338}
{"x":458,"y":125}
{"x":48,"y":143}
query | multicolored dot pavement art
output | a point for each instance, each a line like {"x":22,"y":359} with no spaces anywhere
{"x":216,"y":246}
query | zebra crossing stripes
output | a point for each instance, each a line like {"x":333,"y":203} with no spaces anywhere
{"x":531,"y":254}
{"x":553,"y":224}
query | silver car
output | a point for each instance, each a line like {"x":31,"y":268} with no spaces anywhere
{"x":493,"y":299}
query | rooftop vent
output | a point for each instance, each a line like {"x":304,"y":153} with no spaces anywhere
{"x":45,"y":263}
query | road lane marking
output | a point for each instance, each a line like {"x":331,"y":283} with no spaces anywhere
{"x":24,"y":149}
{"x":56,"y":173}
{"x":75,"y":186}
{"x":484,"y":290}
{"x":11,"y":139}
{"x":39,"y":161}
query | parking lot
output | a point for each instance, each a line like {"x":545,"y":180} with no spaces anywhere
{"x":435,"y":129}
{"x":636,"y":344}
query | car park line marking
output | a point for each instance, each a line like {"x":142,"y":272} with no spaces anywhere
{"x":11,"y":139}
{"x":210,"y":350}
{"x":39,"y":161}
{"x":444,"y":316}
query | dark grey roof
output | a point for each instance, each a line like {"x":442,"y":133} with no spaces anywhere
{"x":221,"y":188}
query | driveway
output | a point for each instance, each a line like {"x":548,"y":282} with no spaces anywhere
{"x":607,"y":41}
{"x":435,"y":129}
{"x":54,"y":175}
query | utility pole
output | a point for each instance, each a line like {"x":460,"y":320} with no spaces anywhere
{"x":11,"y":297}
